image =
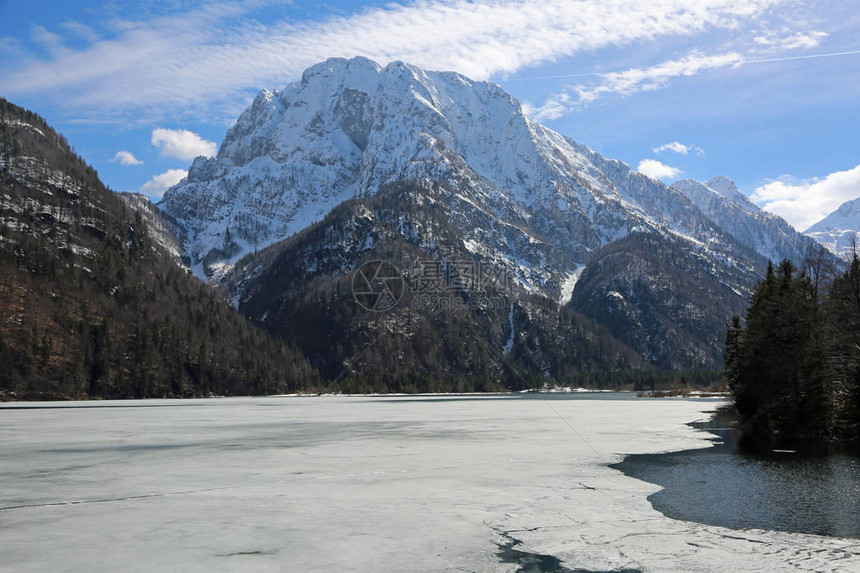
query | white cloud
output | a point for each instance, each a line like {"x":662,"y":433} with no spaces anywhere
{"x":80,"y":30}
{"x":631,"y":81}
{"x":678,"y":147}
{"x":657,"y":170}
{"x":50,"y":41}
{"x":182,"y":144}
{"x":787,"y":41}
{"x":126,"y":158}
{"x":155,"y":187}
{"x":657,"y":76}
{"x":554,"y":107}
{"x":804,"y":203}
{"x":215,"y":53}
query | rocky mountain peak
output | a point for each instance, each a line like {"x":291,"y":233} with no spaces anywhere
{"x":521,"y":196}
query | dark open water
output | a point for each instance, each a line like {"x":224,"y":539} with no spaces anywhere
{"x":731,"y":486}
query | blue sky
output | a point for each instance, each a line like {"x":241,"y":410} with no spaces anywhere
{"x":763,"y":91}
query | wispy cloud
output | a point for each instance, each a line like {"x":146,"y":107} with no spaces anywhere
{"x":657,"y":170}
{"x":678,"y":147}
{"x":804,"y":203}
{"x":155,"y":187}
{"x":182,"y":144}
{"x":766,"y":47}
{"x":51,"y":42}
{"x":554,"y":107}
{"x":10,"y":45}
{"x":126,"y":158}
{"x":650,"y":78}
{"x":80,"y":30}
{"x":209,"y":55}
{"x":791,"y":41}
{"x":657,"y":76}
{"x":630,"y":81}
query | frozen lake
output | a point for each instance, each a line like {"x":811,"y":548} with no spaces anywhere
{"x":361,"y":484}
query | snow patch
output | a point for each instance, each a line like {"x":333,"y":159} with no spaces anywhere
{"x":570,"y":283}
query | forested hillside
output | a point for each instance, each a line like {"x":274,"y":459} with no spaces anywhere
{"x":669,"y":304}
{"x":458,"y":325}
{"x":91,"y":306}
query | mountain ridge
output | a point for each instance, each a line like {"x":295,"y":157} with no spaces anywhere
{"x":726,"y":206}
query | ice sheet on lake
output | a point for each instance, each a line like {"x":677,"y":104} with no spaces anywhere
{"x":359,"y":484}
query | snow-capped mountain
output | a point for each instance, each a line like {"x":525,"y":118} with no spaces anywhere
{"x":840,"y":230}
{"x":521,"y":195}
{"x":727,"y":207}
{"x":358,"y":162}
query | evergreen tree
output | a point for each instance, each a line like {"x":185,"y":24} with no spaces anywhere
{"x":794,"y":369}
{"x":843,"y":348}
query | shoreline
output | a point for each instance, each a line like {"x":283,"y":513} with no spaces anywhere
{"x":6,"y":400}
{"x":729,"y":485}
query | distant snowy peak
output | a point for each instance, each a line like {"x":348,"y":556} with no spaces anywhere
{"x":720,"y":186}
{"x":727,"y":188}
{"x":720,"y":189}
{"x":727,"y":207}
{"x":840,"y":230}
{"x":846,"y":217}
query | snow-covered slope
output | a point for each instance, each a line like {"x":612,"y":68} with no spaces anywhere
{"x":840,"y":230}
{"x":727,"y":207}
{"x":350,"y":127}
